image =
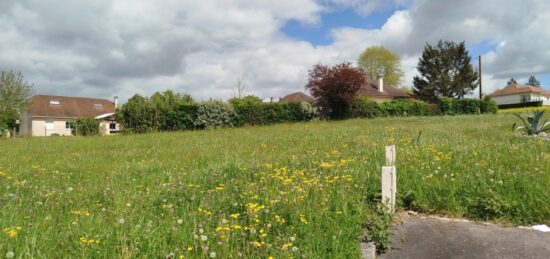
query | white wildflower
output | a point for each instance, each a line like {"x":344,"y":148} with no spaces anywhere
{"x":10,"y":254}
{"x":180,"y":221}
{"x":212,"y":254}
{"x":204,"y":238}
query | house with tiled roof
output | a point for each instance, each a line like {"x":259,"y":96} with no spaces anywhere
{"x":514,"y":94}
{"x":297,"y":97}
{"x":379,"y":92}
{"x":48,"y":115}
{"x":372,"y":89}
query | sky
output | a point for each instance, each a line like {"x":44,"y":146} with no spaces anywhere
{"x":106,"y":48}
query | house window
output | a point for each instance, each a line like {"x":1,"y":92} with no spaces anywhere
{"x":98,"y":106}
{"x":49,"y":125}
{"x":69,"y":125}
{"x":54,"y":102}
{"x":525,"y":98}
{"x":112,"y":126}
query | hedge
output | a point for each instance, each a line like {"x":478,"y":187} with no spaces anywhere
{"x":141,"y":116}
{"x":270,"y":113}
{"x":366,"y":108}
{"x":521,"y":105}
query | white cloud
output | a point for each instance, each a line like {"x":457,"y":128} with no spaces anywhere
{"x":103,"y":48}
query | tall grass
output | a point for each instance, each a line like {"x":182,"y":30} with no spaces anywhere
{"x":289,"y":190}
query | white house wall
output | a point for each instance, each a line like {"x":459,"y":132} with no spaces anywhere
{"x":507,"y":99}
{"x":39,"y":128}
{"x":516,"y":98}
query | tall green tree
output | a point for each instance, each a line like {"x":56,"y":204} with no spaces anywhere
{"x":445,"y":70}
{"x":533,"y":81}
{"x":512,"y":81}
{"x":14,"y":92}
{"x":378,"y":60}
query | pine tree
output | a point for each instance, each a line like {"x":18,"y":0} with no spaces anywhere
{"x":533,"y":81}
{"x":445,"y":70}
{"x":512,"y":81}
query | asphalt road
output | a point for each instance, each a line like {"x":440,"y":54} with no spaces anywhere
{"x":427,"y":237}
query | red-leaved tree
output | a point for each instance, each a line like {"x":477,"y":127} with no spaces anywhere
{"x":334,"y":87}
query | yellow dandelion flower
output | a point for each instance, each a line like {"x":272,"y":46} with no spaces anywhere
{"x":326,"y":165}
{"x":286,"y":246}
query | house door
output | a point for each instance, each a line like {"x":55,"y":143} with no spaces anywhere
{"x":48,"y":128}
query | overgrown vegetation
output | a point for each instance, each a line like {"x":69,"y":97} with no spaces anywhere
{"x":14,"y":92}
{"x":289,"y":190}
{"x":86,"y":127}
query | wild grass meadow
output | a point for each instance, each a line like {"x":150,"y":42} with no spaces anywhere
{"x":306,"y":190}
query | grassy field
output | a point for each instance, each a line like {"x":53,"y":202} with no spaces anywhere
{"x":301,"y":190}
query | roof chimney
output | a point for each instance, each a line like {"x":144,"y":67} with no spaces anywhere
{"x":380,"y":83}
{"x":116,"y":102}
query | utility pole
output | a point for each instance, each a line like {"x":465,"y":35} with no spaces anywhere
{"x":480,"y":93}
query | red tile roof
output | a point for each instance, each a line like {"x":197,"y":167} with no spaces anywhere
{"x":370,"y":89}
{"x":519,"y":89}
{"x":298,"y":97}
{"x":68,"y":107}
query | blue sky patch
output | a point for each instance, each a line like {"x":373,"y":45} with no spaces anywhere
{"x":319,"y":34}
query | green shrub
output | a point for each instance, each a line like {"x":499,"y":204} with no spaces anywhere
{"x":488,"y":105}
{"x":467,"y":106}
{"x":86,"y":127}
{"x":254,"y":113}
{"x":445,"y":105}
{"x":364,"y":108}
{"x":404,"y":108}
{"x":301,"y":111}
{"x":432,"y":109}
{"x":215,"y":114}
{"x":185,"y":116}
{"x":247,"y":100}
{"x":136,"y":115}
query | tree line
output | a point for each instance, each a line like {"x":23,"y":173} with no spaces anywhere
{"x":445,"y":71}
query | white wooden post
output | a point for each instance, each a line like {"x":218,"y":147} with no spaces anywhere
{"x":390,"y":155}
{"x":389,"y":179}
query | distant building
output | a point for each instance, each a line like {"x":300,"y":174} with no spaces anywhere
{"x":374,"y":90}
{"x":49,"y":115}
{"x":297,"y":97}
{"x":379,"y":92}
{"x":514,"y":94}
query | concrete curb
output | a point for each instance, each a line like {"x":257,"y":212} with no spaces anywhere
{"x":368,"y":250}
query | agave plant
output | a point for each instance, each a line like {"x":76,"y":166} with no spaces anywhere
{"x":534,"y":124}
